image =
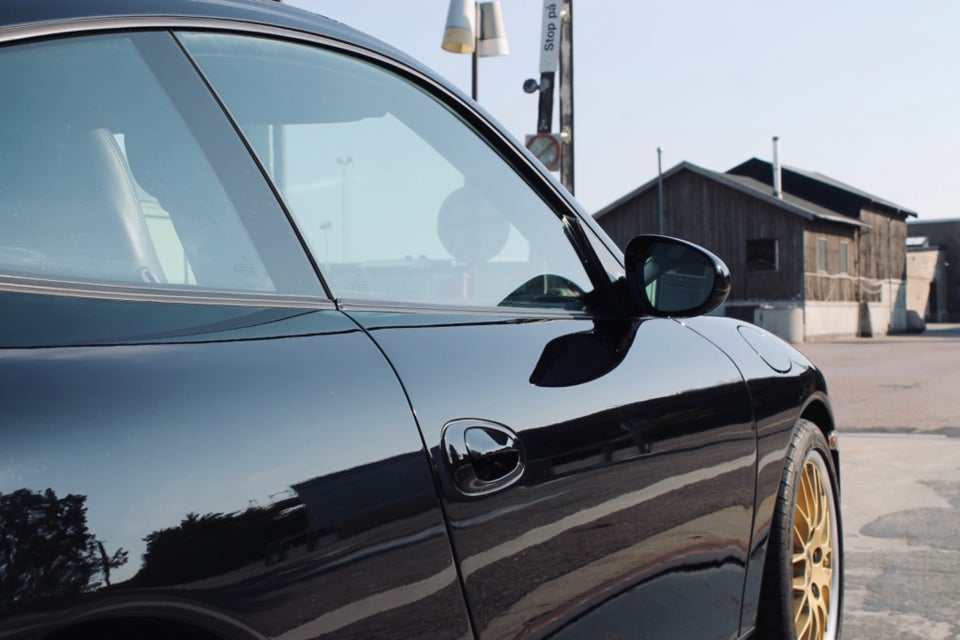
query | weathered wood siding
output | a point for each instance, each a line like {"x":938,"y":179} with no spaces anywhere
{"x":833,"y":283}
{"x":720,"y":219}
{"x":883,"y":251}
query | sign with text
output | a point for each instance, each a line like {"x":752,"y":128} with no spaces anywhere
{"x":550,"y":37}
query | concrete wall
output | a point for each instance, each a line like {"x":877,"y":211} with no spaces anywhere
{"x":945,"y":233}
{"x":848,"y":319}
{"x":889,"y":315}
{"x":784,"y":320}
{"x":925,"y":268}
{"x":797,"y":322}
{"x":831,"y":320}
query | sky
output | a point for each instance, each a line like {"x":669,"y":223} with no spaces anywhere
{"x":864,"y":91}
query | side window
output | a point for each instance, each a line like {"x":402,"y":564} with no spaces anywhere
{"x":763,"y":254}
{"x":103,"y":180}
{"x":398,"y":199}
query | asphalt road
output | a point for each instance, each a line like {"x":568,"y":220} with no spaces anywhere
{"x":897,"y":405}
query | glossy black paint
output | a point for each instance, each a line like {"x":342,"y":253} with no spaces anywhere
{"x":306,"y":443}
{"x":642,"y":472}
{"x":251,"y":492}
{"x":36,"y":320}
{"x":779,"y":399}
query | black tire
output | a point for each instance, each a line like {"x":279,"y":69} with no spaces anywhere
{"x":803,"y":572}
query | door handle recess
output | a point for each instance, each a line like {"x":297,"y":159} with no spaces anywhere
{"x":481,"y":456}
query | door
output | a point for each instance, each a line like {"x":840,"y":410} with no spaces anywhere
{"x":597,"y":471}
{"x":194,"y":441}
{"x":632,"y":509}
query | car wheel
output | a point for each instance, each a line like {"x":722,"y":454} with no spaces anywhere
{"x":803,"y":575}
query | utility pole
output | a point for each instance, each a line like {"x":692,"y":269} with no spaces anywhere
{"x":566,"y":94}
{"x":660,"y":189}
{"x":344,"y":212}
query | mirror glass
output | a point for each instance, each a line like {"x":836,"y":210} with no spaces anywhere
{"x":676,"y":277}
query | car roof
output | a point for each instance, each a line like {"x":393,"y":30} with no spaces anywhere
{"x":50,"y":14}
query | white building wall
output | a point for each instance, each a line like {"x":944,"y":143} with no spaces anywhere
{"x":889,"y":315}
{"x":797,"y":322}
{"x":831,"y":320}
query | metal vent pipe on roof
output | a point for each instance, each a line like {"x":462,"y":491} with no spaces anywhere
{"x":777,"y":191}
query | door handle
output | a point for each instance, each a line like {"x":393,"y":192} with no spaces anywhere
{"x":482,"y":456}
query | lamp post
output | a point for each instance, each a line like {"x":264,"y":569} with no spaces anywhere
{"x":344,"y":214}
{"x":475,"y":28}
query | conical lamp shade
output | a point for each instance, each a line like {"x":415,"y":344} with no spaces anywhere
{"x":459,"y":36}
{"x":492,"y":40}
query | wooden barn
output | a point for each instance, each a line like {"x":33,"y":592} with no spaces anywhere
{"x":814,"y":258}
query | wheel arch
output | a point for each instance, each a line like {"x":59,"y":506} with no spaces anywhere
{"x":158,"y":618}
{"x":140,"y":627}
{"x":817,"y":410}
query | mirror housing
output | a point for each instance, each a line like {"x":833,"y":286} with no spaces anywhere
{"x":672,"y":278}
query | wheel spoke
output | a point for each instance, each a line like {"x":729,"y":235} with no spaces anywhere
{"x":812,"y":552}
{"x":820,"y":620}
{"x":803,"y":621}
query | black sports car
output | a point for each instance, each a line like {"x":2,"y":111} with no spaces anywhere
{"x":295,"y":342}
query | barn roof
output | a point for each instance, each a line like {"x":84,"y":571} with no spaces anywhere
{"x":744,"y":184}
{"x":813,"y":186}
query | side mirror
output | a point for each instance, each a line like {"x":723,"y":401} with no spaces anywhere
{"x":668,"y":277}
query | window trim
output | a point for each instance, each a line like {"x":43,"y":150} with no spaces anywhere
{"x":823,"y":257}
{"x":844,"y":256}
{"x":198,"y":106}
{"x":576,"y":227}
{"x":604,"y":298}
{"x":133,"y":293}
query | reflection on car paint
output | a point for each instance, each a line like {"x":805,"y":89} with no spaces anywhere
{"x":278,"y":549}
{"x":604,"y":478}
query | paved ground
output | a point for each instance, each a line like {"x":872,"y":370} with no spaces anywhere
{"x":897,"y":404}
{"x":896,"y":384}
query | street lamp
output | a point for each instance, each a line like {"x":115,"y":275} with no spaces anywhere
{"x":461,"y":34}
{"x":344,"y":213}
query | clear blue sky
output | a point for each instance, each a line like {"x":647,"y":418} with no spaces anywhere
{"x":865,"y":91}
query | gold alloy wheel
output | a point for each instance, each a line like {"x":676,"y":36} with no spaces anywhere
{"x":814,"y":546}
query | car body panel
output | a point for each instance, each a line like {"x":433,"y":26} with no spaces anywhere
{"x":779,"y":399}
{"x":644,"y":471}
{"x":272,"y":500}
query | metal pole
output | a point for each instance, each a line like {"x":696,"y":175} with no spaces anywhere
{"x":474,"y":57}
{"x":344,"y":214}
{"x":545,"y":106}
{"x":660,"y":188}
{"x":566,"y":94}
{"x":473,"y":83}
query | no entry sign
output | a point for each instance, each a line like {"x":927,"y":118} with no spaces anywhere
{"x":546,"y":147}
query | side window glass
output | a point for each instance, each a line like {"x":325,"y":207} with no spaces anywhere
{"x":398,"y":199}
{"x":103,"y":181}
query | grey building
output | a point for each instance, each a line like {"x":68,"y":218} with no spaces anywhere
{"x":945,"y":291}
